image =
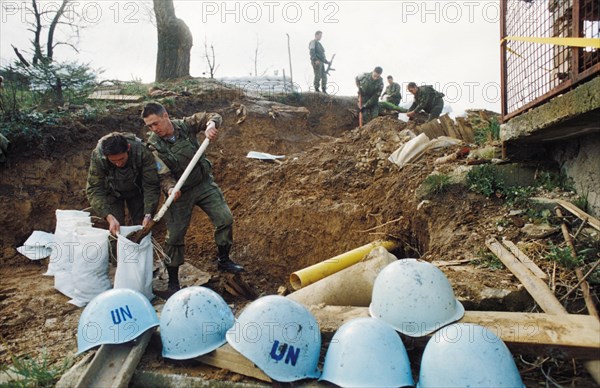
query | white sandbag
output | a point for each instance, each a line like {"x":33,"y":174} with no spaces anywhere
{"x":410,"y":151}
{"x":89,"y":274}
{"x":37,"y":246}
{"x":134,"y":262}
{"x":62,"y":248}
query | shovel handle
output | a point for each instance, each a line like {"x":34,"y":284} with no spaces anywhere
{"x":181,"y":180}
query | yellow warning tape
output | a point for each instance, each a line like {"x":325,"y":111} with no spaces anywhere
{"x":572,"y":42}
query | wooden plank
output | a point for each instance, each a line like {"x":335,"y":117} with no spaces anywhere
{"x":114,"y":365}
{"x":115,"y":97}
{"x":535,"y":286}
{"x":593,"y":222}
{"x":228,"y":358}
{"x":531,"y":332}
{"x":542,"y":295}
{"x":523,"y":258}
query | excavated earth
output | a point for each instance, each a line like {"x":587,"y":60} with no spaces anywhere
{"x":334,"y":191}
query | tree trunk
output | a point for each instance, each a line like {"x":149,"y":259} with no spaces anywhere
{"x":174,"y":43}
{"x":52,"y":29}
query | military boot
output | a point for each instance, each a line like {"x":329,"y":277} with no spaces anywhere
{"x":224,"y":263}
{"x":173,"y":284}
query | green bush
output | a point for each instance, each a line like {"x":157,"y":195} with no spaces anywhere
{"x":437,"y":183}
{"x":485,"y":180}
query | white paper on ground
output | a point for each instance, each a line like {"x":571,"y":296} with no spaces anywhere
{"x":263,"y":156}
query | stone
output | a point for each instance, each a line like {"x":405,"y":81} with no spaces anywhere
{"x":538,"y":231}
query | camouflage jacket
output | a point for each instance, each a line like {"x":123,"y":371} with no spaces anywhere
{"x":393,"y":90}
{"x":176,"y":155}
{"x":106,"y":182}
{"x":317,"y":51}
{"x":425,"y":99}
{"x":370,"y":89}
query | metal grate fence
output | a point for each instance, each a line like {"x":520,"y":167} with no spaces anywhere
{"x":533,"y":72}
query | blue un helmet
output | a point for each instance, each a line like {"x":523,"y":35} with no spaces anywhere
{"x":467,"y":355}
{"x":280,"y":336}
{"x":367,"y":352}
{"x":193,"y":322}
{"x":114,"y":317}
{"x":414,"y":297}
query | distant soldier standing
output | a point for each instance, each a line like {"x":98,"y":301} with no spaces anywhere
{"x":370,"y":86}
{"x":392,"y":91}
{"x":318,"y":61}
{"x":427,"y":99}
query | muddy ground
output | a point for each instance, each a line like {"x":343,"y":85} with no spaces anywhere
{"x":334,"y":191}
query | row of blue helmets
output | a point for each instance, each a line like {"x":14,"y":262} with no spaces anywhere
{"x":283,"y":339}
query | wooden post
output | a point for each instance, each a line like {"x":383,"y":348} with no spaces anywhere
{"x":585,"y":287}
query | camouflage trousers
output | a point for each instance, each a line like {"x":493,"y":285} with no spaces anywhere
{"x":135,"y":207}
{"x":436,"y":109}
{"x":320,"y":76}
{"x":370,"y":113}
{"x":209,"y":197}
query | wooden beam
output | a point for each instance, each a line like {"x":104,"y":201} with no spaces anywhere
{"x":594,"y":223}
{"x":114,"y":365}
{"x":535,"y":286}
{"x":579,"y":335}
{"x":585,"y":287}
{"x":523,"y":258}
{"x":228,"y":358}
{"x":542,"y":295}
{"x":115,"y":97}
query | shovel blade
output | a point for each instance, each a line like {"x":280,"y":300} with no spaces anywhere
{"x":137,"y":236}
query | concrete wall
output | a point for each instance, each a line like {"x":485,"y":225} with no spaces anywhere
{"x":579,"y":158}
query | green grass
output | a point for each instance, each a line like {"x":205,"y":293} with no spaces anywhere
{"x":485,"y":180}
{"x":489,"y":133}
{"x":486,"y":259}
{"x":563,"y":256}
{"x":29,"y":372}
{"x":437,"y":183}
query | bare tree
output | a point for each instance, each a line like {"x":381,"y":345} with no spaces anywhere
{"x":63,"y":15}
{"x":257,"y":55}
{"x":210,"y":58}
{"x":174,"y":43}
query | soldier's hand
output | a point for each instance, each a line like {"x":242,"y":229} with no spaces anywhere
{"x":317,"y":62}
{"x":211,"y":131}
{"x":177,"y":195}
{"x":113,"y":225}
{"x":410,"y":114}
{"x":147,"y":219}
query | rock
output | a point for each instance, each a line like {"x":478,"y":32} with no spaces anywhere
{"x":538,"y":231}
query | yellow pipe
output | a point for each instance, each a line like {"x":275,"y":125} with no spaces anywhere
{"x":316,"y":272}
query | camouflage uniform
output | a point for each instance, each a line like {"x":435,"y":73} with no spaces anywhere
{"x":199,"y":189}
{"x":317,"y":53}
{"x":393,"y":93}
{"x":4,"y":147}
{"x":136,"y":185}
{"x":429,"y":100}
{"x":370,"y":90}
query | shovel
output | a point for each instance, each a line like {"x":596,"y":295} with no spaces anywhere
{"x":360,"y":112}
{"x":136,"y":237}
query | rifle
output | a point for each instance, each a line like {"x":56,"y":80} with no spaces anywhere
{"x":329,"y":65}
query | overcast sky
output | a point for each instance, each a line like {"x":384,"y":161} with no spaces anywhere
{"x":453,"y":45}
